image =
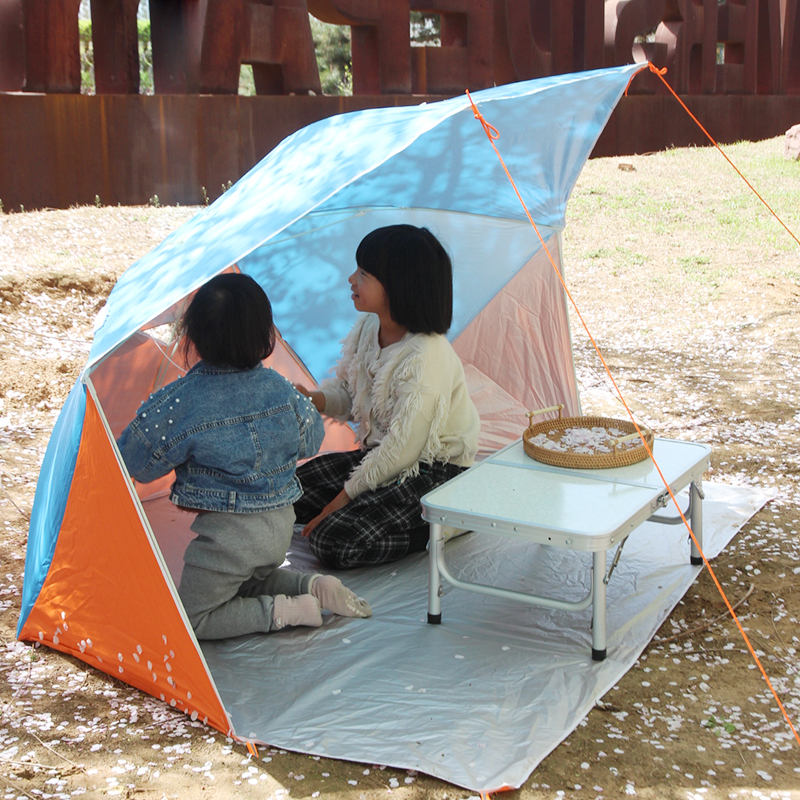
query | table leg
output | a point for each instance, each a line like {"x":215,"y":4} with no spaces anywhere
{"x":599,"y":605}
{"x":435,"y":552}
{"x":696,"y":496}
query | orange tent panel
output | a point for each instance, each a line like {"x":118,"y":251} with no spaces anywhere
{"x":108,"y":600}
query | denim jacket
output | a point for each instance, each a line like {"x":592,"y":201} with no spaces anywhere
{"x":232,"y":436}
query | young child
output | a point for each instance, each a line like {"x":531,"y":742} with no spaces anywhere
{"x":233,"y":432}
{"x":400,"y":380}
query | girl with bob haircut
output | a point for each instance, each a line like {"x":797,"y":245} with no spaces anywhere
{"x":402,"y":383}
{"x":229,"y":323}
{"x":233,"y":431}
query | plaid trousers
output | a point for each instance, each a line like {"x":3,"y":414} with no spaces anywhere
{"x":376,"y":527}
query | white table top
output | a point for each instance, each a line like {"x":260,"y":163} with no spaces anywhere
{"x":512,"y":494}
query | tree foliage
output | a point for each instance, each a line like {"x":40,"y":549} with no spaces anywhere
{"x":145,"y":57}
{"x":332,"y":45}
{"x":425,"y":29}
{"x":87,"y":56}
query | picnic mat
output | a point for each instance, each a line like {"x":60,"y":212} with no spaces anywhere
{"x":482,"y":698}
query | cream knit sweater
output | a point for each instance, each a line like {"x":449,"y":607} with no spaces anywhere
{"x":409,"y":400}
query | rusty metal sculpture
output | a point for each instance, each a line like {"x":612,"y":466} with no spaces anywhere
{"x":200,"y":45}
{"x":737,"y":63}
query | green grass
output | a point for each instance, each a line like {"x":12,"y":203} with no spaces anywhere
{"x":687,"y":213}
{"x":600,"y":252}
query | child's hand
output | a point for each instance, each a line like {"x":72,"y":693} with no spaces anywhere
{"x":317,"y":398}
{"x":340,"y":501}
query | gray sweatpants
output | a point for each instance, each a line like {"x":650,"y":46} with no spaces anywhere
{"x":232,"y":571}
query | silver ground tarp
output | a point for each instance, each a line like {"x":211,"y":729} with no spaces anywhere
{"x":482,"y":698}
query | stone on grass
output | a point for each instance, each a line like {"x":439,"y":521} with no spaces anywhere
{"x":791,"y":143}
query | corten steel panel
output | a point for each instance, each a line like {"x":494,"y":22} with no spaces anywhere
{"x":380,"y":42}
{"x":469,"y":26}
{"x":689,"y":30}
{"x":730,"y":78}
{"x":71,"y":123}
{"x":364,"y":55}
{"x":790,"y":71}
{"x":504,"y":70}
{"x":394,"y":46}
{"x":126,"y":142}
{"x":588,"y":35}
{"x":12,"y":46}
{"x":770,"y":114}
{"x":648,"y":124}
{"x":52,"y":49}
{"x":115,"y":44}
{"x":723,"y":117}
{"x":751,"y":43}
{"x":217,"y":144}
{"x":635,"y":127}
{"x":275,"y":118}
{"x":224,"y":43}
{"x":534,"y":39}
{"x":61,"y":150}
{"x":623,"y":22}
{"x":440,"y":70}
{"x":769,"y":47}
{"x":176,"y":32}
{"x":148,"y":149}
{"x":25,"y":168}
{"x":297,"y":57}
{"x":732,"y":29}
{"x":522,"y":41}
{"x":752,"y":36}
{"x":175,"y":121}
{"x":712,"y":113}
{"x":561,"y":37}
{"x":275,"y":39}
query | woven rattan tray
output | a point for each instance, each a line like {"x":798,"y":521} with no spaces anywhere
{"x":627,"y":449}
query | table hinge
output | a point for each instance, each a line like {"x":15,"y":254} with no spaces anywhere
{"x":662,"y":501}
{"x":614,"y":563}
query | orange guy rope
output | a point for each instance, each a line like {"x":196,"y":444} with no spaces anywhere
{"x":493,"y":134}
{"x":660,"y":73}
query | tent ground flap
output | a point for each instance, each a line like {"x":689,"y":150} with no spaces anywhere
{"x":482,"y":698}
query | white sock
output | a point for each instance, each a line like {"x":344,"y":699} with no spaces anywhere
{"x":334,"y":596}
{"x":293,"y":611}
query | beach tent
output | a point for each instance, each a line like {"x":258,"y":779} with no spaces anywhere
{"x":104,"y":554}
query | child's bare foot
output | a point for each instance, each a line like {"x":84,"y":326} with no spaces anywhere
{"x":294,"y":611}
{"x":334,"y":596}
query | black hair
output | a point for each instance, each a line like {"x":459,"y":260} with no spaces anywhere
{"x":416,"y":272}
{"x":229,"y":322}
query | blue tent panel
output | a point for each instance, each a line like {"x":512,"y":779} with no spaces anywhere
{"x":433,"y":156}
{"x":311,"y":299}
{"x":52,"y":491}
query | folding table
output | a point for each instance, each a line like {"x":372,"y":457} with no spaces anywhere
{"x":590,"y":510}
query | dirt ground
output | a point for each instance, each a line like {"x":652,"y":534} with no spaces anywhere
{"x":690,"y":289}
